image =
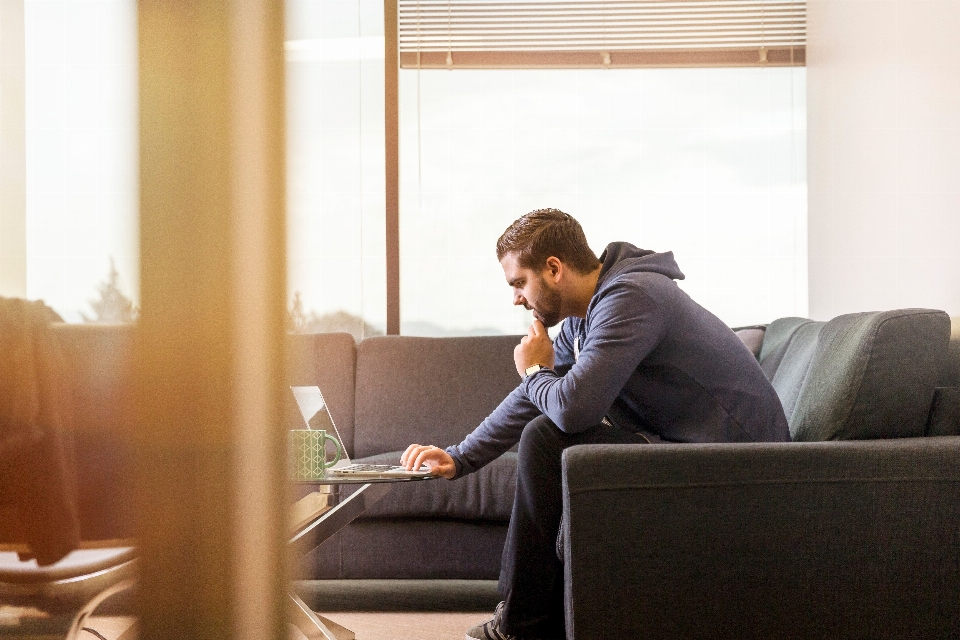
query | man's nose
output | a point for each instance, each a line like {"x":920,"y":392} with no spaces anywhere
{"x":518,"y":299}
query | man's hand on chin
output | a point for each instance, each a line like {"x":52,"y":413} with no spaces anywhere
{"x":534,"y":348}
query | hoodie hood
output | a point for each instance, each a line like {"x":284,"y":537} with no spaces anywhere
{"x":622,"y":257}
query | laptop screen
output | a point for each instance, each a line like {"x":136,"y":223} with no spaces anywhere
{"x":316,"y":415}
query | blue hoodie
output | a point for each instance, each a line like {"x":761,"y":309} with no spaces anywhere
{"x":648,"y":359}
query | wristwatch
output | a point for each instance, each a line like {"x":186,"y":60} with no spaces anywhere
{"x":532,"y":369}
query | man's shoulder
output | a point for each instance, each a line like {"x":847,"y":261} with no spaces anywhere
{"x":638,"y":283}
{"x":635,"y":294}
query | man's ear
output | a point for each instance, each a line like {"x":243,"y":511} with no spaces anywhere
{"x":554,"y":267}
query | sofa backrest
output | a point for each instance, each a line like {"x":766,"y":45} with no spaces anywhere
{"x":950,"y":374}
{"x":858,"y":376}
{"x":98,"y":358}
{"x":785,"y":357}
{"x":428,"y":390}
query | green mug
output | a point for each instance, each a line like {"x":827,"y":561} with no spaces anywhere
{"x":308,"y":453}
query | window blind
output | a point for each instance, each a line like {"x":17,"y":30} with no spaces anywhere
{"x":601,"y":33}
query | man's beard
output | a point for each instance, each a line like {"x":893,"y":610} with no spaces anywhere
{"x":547,"y":308}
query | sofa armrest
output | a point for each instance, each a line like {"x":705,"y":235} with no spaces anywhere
{"x":853,"y":539}
{"x":944,"y":419}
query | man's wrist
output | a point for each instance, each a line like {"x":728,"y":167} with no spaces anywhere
{"x":532,"y":369}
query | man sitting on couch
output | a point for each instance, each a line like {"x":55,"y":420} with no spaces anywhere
{"x":637,"y":361}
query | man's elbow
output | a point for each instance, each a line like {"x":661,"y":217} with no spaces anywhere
{"x":578,"y":419}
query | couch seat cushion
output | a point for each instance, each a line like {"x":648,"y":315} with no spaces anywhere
{"x":484,"y":495}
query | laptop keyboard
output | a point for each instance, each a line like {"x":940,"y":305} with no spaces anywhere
{"x":378,"y":468}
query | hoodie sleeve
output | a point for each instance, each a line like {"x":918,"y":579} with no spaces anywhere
{"x":628,"y":320}
{"x":563,"y":357}
{"x":502,"y":428}
{"x":495,"y":435}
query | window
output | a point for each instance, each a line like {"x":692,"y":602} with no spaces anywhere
{"x":335,"y":166}
{"x":673,"y":125}
{"x":708,"y":163}
{"x":81,"y":154}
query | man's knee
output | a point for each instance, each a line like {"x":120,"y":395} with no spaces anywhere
{"x":538,"y":435}
{"x":539,"y":427}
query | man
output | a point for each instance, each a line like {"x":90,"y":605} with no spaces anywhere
{"x":637,"y":361}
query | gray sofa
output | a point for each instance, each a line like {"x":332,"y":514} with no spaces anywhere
{"x":850,"y":532}
{"x":410,"y":389}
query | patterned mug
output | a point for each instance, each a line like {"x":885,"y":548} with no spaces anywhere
{"x":308,"y":453}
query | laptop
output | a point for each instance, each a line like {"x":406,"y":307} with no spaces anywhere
{"x":316,"y":415}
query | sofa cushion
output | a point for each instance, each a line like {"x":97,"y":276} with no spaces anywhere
{"x":428,"y":390}
{"x":329,"y":361}
{"x":787,"y":360}
{"x":752,"y":338}
{"x":858,"y":376}
{"x":409,"y":550}
{"x":484,"y":495}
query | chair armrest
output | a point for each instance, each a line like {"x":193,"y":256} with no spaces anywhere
{"x":790,"y":540}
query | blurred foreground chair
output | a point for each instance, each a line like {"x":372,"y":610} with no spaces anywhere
{"x":65,"y":526}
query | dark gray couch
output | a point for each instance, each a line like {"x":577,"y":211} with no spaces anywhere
{"x":823,"y":538}
{"x":425,"y":390}
{"x":852,"y":532}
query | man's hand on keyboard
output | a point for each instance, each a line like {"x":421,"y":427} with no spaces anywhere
{"x":439,"y":461}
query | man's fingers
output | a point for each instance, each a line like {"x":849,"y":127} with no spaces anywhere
{"x":435,"y":458}
{"x":427,"y":454}
{"x":411,"y":454}
{"x":538,"y":329}
{"x":418,"y":462}
{"x":417,"y":456}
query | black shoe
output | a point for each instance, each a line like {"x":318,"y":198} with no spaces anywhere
{"x":490,"y":630}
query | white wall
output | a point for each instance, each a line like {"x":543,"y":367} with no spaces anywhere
{"x":883,"y":155}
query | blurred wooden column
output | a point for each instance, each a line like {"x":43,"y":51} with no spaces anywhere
{"x":209,"y":351}
{"x":13,"y":151}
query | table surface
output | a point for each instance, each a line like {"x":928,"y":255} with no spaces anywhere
{"x":338,"y":480}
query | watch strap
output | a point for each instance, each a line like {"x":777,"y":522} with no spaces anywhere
{"x":532,"y":369}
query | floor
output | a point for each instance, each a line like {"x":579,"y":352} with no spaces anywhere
{"x":408,"y":626}
{"x":109,"y":627}
{"x":367,"y":626}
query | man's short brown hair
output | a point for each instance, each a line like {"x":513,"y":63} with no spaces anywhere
{"x":537,"y":235}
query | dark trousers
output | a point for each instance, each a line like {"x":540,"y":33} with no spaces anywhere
{"x":531,"y":575}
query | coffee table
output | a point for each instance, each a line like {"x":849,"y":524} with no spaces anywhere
{"x":324,"y":523}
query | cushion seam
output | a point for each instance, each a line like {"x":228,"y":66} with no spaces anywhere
{"x":772,"y":482}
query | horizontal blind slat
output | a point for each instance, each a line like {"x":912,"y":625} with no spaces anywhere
{"x":430,"y":25}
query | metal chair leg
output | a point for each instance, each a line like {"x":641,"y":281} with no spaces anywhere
{"x":80,"y":619}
